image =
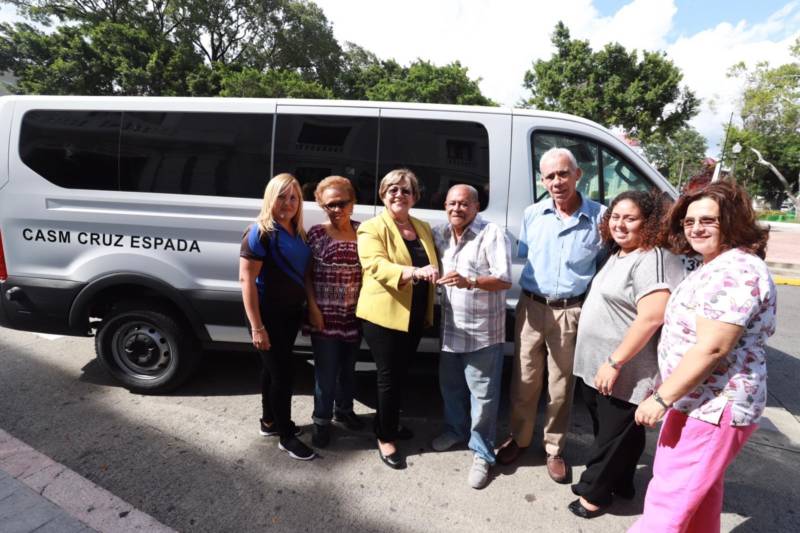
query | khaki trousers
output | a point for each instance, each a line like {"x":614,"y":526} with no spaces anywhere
{"x":543,"y":336}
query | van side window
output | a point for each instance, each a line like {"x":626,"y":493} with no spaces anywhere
{"x":618,"y":176}
{"x":313,"y":147}
{"x":219,"y":154}
{"x":72,"y":149}
{"x":585,"y":152}
{"x":442,"y":153}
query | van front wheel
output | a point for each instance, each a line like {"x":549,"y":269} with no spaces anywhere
{"x":145,"y":349}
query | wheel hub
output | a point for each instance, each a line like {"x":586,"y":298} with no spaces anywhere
{"x":142,"y":349}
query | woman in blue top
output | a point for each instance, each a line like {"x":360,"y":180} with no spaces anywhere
{"x":272,"y":266}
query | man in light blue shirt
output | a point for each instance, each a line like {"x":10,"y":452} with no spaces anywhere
{"x":561,"y":243}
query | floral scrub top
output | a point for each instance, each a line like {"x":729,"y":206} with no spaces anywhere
{"x":736,"y":288}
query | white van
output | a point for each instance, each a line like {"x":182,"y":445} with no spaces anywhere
{"x":122,"y":216}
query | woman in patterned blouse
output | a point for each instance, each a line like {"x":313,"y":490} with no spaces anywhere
{"x":332,"y":286}
{"x":711,"y":358}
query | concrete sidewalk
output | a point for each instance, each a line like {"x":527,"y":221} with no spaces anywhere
{"x":41,"y":495}
{"x":783,"y":253}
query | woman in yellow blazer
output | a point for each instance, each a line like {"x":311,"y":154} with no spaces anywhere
{"x":398,"y":258}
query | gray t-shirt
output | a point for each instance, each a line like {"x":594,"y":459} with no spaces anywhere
{"x":610,"y":309}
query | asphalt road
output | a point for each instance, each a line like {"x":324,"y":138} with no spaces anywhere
{"x":194,"y":460}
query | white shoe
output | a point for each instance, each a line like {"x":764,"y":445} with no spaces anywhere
{"x":444,"y":442}
{"x":479,"y":473}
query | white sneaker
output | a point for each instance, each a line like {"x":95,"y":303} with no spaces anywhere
{"x":444,"y":442}
{"x":479,"y":473}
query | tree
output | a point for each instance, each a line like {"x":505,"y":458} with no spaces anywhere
{"x":254,"y":83}
{"x":611,"y":86}
{"x":423,"y":81}
{"x":88,"y":51}
{"x":267,"y":48}
{"x":678,"y":156}
{"x":770,"y":124}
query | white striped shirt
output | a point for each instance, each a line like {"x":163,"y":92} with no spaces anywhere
{"x":473,"y":319}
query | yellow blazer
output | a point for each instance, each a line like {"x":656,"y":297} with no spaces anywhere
{"x":383,"y":254}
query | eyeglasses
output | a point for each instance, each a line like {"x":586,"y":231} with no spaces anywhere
{"x":706,"y":222}
{"x":562,"y":174}
{"x":334,"y":206}
{"x":393,"y":191}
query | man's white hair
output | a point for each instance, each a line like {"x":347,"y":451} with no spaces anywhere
{"x":557,"y":152}
{"x":473,"y":192}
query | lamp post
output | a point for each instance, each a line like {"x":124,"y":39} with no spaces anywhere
{"x":736,"y":149}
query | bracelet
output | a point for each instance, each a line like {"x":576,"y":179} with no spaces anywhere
{"x":660,"y":401}
{"x":262,"y":328}
{"x":616,"y":365}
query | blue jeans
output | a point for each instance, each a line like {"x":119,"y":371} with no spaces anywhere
{"x":470,"y":385}
{"x":334,"y":372}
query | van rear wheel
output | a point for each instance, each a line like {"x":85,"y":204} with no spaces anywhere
{"x":145,"y":348}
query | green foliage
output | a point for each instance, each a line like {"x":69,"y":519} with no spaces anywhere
{"x":252,"y":83}
{"x":611,"y":86}
{"x":265,"y":48}
{"x":770,"y":118}
{"x":679,"y":156}
{"x":424,"y":82}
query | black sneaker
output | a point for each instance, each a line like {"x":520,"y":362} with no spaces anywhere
{"x":321,"y":436}
{"x":350,"y":420}
{"x":296,"y":449}
{"x":271,"y":430}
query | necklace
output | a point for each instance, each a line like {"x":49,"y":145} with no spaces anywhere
{"x":404,"y":224}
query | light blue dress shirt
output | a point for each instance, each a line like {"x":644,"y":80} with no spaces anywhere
{"x":562,"y":254}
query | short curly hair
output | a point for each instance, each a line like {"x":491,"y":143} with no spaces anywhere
{"x":738,"y":226}
{"x":335,"y":182}
{"x":653,"y":206}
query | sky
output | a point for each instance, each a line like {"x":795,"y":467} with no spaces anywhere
{"x":498,"y":40}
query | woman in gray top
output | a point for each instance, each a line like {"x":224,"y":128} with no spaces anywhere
{"x":615,"y":354}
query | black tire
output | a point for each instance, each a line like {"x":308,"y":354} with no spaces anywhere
{"x":145,"y":348}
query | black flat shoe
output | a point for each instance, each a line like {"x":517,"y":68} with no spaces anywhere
{"x":403,"y":433}
{"x":395,"y":461}
{"x":579,"y":510}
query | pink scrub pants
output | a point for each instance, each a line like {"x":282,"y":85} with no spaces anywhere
{"x":685,"y":494}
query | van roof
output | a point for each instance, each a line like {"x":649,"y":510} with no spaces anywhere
{"x":499,"y":110}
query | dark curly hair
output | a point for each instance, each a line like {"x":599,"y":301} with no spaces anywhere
{"x":737,"y":220}
{"x":653,"y":206}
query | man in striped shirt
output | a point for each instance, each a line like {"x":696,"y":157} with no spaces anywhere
{"x":476,"y":260}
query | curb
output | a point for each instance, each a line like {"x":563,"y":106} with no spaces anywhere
{"x":78,"y":497}
{"x":784,"y":273}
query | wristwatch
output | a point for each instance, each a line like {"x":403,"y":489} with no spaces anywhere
{"x":473,"y":282}
{"x":616,"y":365}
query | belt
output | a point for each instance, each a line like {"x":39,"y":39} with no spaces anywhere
{"x":558,"y":303}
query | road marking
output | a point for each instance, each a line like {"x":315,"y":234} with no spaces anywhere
{"x":783,"y":280}
{"x":49,"y":336}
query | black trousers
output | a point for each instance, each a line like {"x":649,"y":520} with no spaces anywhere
{"x":277,"y":368}
{"x":618,"y":445}
{"x":391,"y":350}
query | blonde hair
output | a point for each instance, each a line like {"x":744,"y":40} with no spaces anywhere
{"x":275,"y":187}
{"x":396,"y":176}
{"x":335,"y":182}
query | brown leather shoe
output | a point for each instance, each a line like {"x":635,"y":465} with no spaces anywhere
{"x":509,"y":451}
{"x":557,"y":468}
